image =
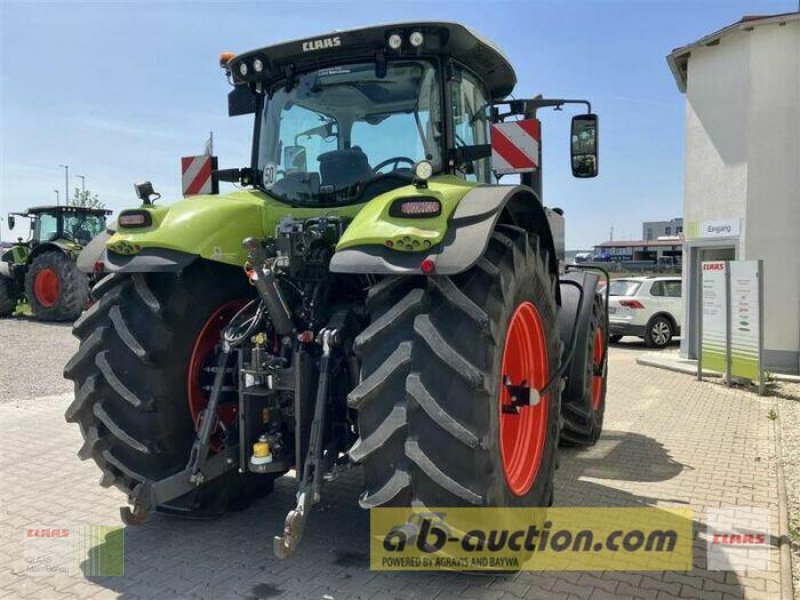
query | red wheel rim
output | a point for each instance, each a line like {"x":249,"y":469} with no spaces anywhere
{"x":523,"y":433}
{"x":202,"y":356}
{"x":46,"y":288}
{"x":597,"y":363}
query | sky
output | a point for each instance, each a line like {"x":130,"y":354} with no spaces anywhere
{"x":119,"y":91}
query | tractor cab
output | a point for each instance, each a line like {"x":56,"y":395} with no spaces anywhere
{"x":70,"y":223}
{"x":344,"y":118}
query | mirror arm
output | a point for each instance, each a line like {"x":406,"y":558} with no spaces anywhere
{"x":240,"y":176}
{"x":529,"y":106}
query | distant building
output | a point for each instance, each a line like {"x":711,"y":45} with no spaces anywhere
{"x":741,"y":198}
{"x":644,"y":250}
{"x":652,"y":230}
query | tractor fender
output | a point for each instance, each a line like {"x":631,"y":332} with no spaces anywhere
{"x":54,"y":246}
{"x":468,"y":232}
{"x":576,"y":312}
{"x":94,"y":250}
{"x":149,"y":260}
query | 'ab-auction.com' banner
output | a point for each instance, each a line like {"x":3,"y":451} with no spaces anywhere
{"x":591,"y":539}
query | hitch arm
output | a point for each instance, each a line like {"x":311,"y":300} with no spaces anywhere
{"x":308,"y":493}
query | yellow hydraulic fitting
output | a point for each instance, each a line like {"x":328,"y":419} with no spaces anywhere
{"x":261,"y":450}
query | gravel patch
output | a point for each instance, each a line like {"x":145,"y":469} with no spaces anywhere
{"x":788,"y":398}
{"x":32,"y":357}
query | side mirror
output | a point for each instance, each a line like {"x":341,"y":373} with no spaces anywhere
{"x":294,"y":159}
{"x":11,"y":221}
{"x":584,"y":145}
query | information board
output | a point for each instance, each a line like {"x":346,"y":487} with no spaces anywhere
{"x":745,"y":311}
{"x":713,"y":339}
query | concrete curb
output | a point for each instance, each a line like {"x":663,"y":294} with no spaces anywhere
{"x":687,"y":370}
{"x":787,"y":585}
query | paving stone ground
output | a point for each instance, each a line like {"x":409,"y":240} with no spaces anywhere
{"x":669,"y":441}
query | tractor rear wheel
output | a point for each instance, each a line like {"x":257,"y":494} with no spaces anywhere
{"x":56,"y":289}
{"x":139,"y":379}
{"x":584,"y":398}
{"x":436,"y":421}
{"x":8,"y":297}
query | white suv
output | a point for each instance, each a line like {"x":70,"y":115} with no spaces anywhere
{"x":647,"y":307}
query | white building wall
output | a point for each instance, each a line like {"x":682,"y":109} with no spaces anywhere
{"x":743,"y":161}
{"x":716,"y":141}
{"x":772,"y":217}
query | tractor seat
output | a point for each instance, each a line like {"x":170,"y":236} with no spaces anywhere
{"x":343,"y":168}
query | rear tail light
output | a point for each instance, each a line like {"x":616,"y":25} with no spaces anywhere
{"x":135,"y":218}
{"x":416,"y":208}
{"x":631,"y":304}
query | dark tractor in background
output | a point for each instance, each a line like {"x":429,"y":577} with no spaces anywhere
{"x":42,"y":270}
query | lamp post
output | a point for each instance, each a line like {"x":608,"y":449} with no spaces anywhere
{"x":56,"y":191}
{"x":66,"y":183}
{"x":83,"y":187}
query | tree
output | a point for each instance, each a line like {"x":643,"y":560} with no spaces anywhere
{"x":86,"y":199}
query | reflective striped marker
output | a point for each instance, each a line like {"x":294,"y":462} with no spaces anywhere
{"x":196,"y":175}
{"x":515,"y":146}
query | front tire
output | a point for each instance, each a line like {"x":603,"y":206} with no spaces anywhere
{"x":131,"y":384}
{"x":435,"y":422}
{"x":56,"y":289}
{"x":584,"y":399}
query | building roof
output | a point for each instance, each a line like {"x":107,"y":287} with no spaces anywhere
{"x":678,"y":59}
{"x":639,"y":243}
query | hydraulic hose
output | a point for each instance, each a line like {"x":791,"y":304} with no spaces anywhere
{"x":270,"y":293}
{"x":267,"y":285}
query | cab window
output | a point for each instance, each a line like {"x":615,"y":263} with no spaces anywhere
{"x":471,"y":122}
{"x":46,"y":228}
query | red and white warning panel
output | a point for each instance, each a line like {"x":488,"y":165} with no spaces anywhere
{"x":197,"y":175}
{"x":515,"y":146}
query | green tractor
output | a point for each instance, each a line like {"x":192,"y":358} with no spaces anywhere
{"x":369,"y":297}
{"x":43,"y":269}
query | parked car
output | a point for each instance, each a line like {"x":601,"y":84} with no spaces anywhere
{"x":582,"y":257}
{"x":647,"y":307}
{"x":602,"y":257}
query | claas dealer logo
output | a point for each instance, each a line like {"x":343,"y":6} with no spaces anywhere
{"x":530,"y":539}
{"x":47,"y":532}
{"x":714,"y":266}
{"x":322,"y":44}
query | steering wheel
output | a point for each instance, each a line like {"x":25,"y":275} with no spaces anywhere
{"x":393,"y":161}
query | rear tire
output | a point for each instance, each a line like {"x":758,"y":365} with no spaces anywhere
{"x":56,"y":289}
{"x":429,"y":402}
{"x":659,"y":332}
{"x":8,"y":297}
{"x":130,"y":375}
{"x":584,"y":399}
{"x":614,"y":339}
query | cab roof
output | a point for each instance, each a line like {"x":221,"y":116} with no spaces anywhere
{"x":470,"y":48}
{"x":36,"y":210}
